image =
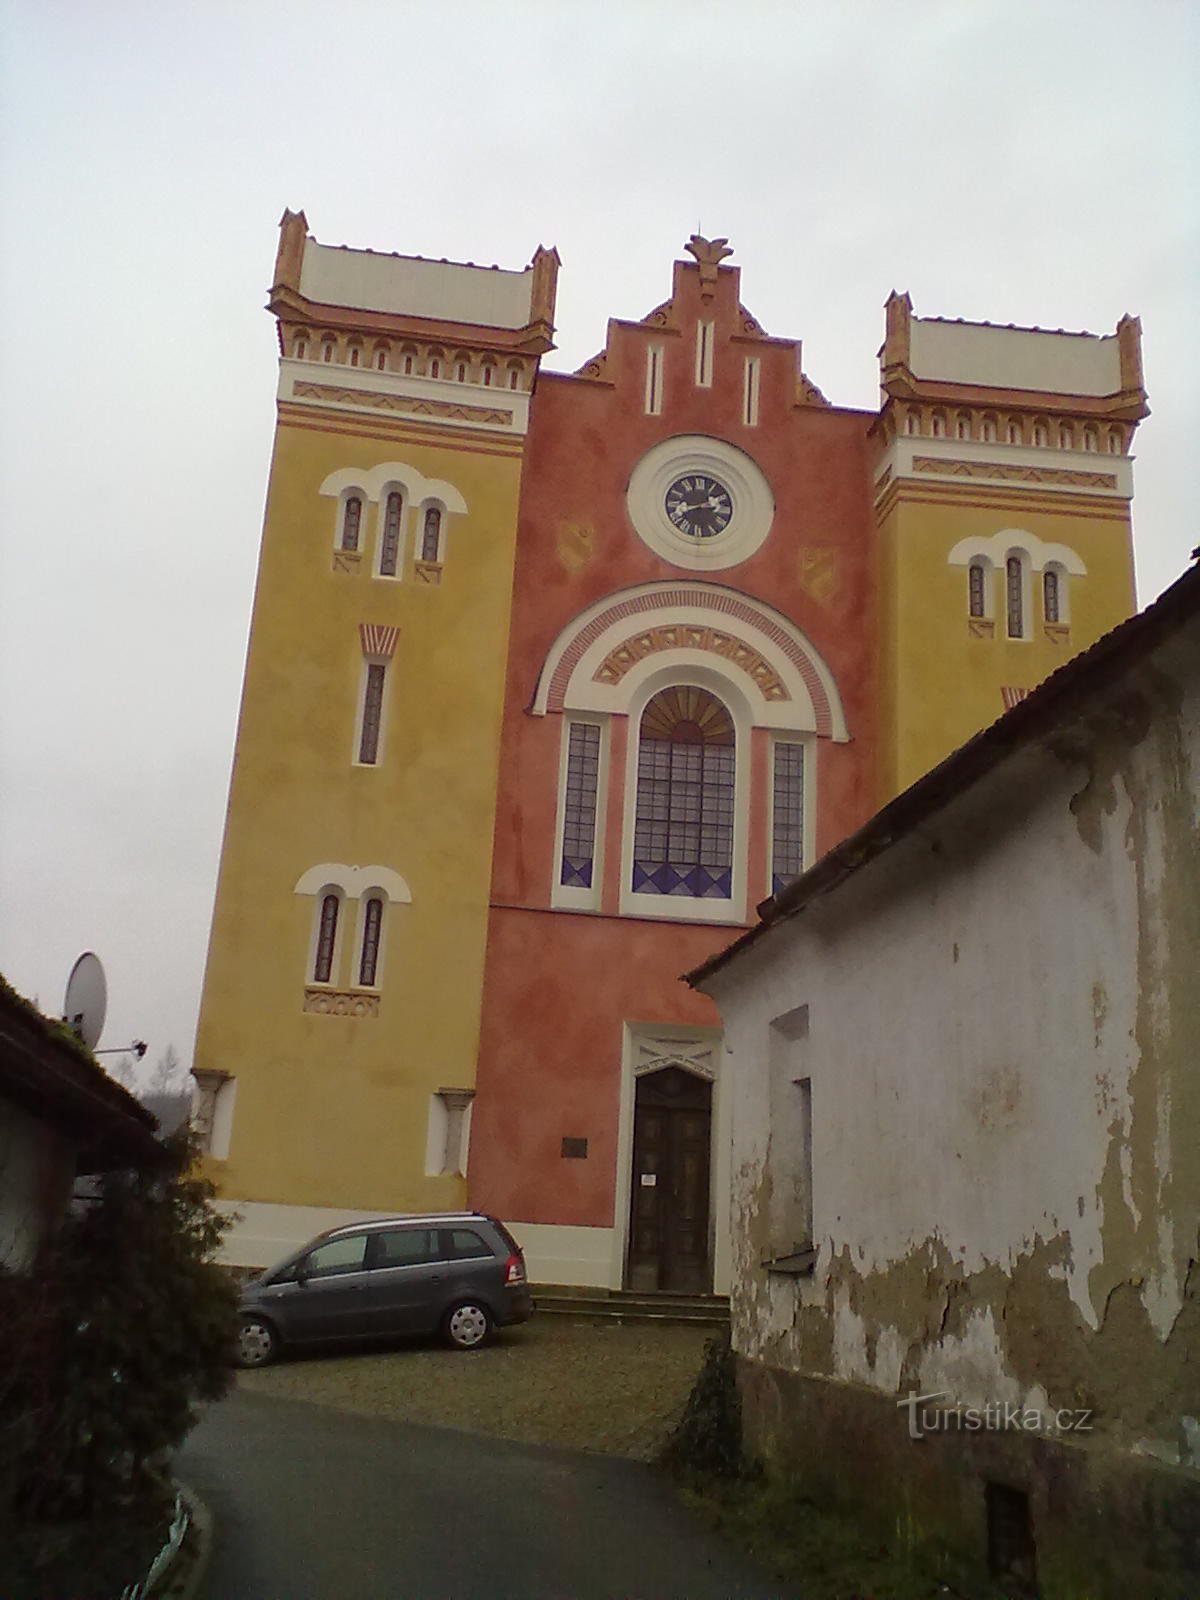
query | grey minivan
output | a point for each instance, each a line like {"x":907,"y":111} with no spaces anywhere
{"x":458,"y":1273}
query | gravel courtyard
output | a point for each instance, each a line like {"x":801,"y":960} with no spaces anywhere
{"x":617,"y":1389}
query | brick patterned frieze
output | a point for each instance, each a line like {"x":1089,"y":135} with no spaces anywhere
{"x":411,"y":405}
{"x":1067,"y":477}
{"x":686,"y":636}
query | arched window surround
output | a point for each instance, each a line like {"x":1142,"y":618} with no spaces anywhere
{"x":1017,"y":595}
{"x":383,"y":533}
{"x":428,"y":538}
{"x":350,"y":492}
{"x":679,"y":908}
{"x":324,"y":965}
{"x":351,"y":884}
{"x":371,"y":896}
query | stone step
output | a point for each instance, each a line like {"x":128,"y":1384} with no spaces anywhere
{"x":618,"y":1305}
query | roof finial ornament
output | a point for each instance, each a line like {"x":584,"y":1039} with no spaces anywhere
{"x":709,"y":253}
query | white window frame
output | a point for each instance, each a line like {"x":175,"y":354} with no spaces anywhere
{"x":388,"y":489}
{"x":654,"y":380}
{"x":381,"y":742}
{"x":339,"y":939}
{"x":360,"y":937}
{"x":567,"y":897}
{"x":678,"y":907}
{"x":808,"y":743}
{"x":705,"y":338}
{"x":752,"y":385}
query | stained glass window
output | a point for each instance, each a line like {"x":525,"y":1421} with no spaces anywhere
{"x":372,"y":925}
{"x":368,"y":744}
{"x":787,"y":812}
{"x":326,"y":935}
{"x":975,"y":585}
{"x":579,"y":807}
{"x":683,"y":834}
{"x":389,"y":549}
{"x":351,"y":521}
{"x":431,"y":538}
{"x":1050,"y":595}
{"x":1016,"y":598}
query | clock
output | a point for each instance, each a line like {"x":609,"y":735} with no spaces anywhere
{"x":699,"y":505}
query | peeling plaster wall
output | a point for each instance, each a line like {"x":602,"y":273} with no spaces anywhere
{"x":1003,"y":1043}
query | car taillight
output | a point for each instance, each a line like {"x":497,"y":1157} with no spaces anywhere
{"x":514,"y":1270}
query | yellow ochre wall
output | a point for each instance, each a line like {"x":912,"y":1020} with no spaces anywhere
{"x":334,"y":1111}
{"x":939,"y":684}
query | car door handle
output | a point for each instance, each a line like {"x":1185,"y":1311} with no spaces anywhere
{"x":436,"y":1278}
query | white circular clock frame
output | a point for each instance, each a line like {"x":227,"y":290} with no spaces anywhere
{"x":753,"y":502}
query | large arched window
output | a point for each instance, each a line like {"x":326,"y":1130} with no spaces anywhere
{"x":683,"y":835}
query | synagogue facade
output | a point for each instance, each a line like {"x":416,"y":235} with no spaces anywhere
{"x":554,"y":677}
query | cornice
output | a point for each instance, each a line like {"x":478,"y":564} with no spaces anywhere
{"x":899,"y":383}
{"x":290,"y":307}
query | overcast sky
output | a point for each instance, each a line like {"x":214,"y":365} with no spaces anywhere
{"x":1031,"y":161}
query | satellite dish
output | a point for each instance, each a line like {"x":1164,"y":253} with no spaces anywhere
{"x":86,"y":999}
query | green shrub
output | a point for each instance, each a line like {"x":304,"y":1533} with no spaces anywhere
{"x":708,"y":1437}
{"x":124,"y":1324}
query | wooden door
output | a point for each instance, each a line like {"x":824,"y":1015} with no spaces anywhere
{"x":668,"y":1221}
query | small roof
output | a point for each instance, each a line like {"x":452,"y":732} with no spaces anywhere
{"x":1053,"y":703}
{"x":46,"y":1071}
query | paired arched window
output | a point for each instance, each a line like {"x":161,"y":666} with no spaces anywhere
{"x":372,"y":932}
{"x":389,"y":541}
{"x":1014,"y":592}
{"x":351,"y":521}
{"x":977,"y":595}
{"x":686,"y":770}
{"x":327,"y":925}
{"x":431,"y":534}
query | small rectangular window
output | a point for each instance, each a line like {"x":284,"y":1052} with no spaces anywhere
{"x":579,"y":806}
{"x":704,"y":354}
{"x":654,"y":366}
{"x":787,"y":815}
{"x":750,"y":415}
{"x":466,"y":1245}
{"x":372,"y":714}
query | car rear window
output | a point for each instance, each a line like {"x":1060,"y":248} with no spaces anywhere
{"x":466,"y":1245}
{"x":505,"y":1235}
{"x":404,"y":1247}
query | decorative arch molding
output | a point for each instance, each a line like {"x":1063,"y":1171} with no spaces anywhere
{"x":998,"y":547}
{"x":390,"y":474}
{"x":354,"y":881}
{"x":600,"y":659}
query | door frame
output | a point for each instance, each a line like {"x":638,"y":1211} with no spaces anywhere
{"x":647,"y":1048}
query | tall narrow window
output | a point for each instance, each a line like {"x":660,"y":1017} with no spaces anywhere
{"x":389,"y":544}
{"x":977,"y":589}
{"x":753,"y":373}
{"x":372,"y":928}
{"x":514,"y":377}
{"x":683,"y":833}
{"x":704,"y":354}
{"x":326,"y":939}
{"x":1051,"y":602}
{"x":351,"y":522}
{"x":431,"y":535}
{"x":1015,"y":590}
{"x":301,"y":349}
{"x":353,"y":355}
{"x":787,"y":815}
{"x":381,"y":360}
{"x":327,"y":352}
{"x":462,"y":372}
{"x":579,"y":806}
{"x":408,"y":366}
{"x":435,"y":369}
{"x":654,"y":366}
{"x":372,"y":714}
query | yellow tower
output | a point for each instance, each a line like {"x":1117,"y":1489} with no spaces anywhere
{"x":1003,"y":483}
{"x":342,"y":994}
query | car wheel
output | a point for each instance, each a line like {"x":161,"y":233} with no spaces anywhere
{"x":466,"y":1326}
{"x":257,"y":1342}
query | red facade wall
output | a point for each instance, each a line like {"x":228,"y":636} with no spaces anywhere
{"x":560,"y":985}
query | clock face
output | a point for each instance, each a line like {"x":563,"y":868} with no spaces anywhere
{"x":699,"y":505}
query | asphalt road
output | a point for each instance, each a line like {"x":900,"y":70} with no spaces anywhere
{"x":315,"y":1504}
